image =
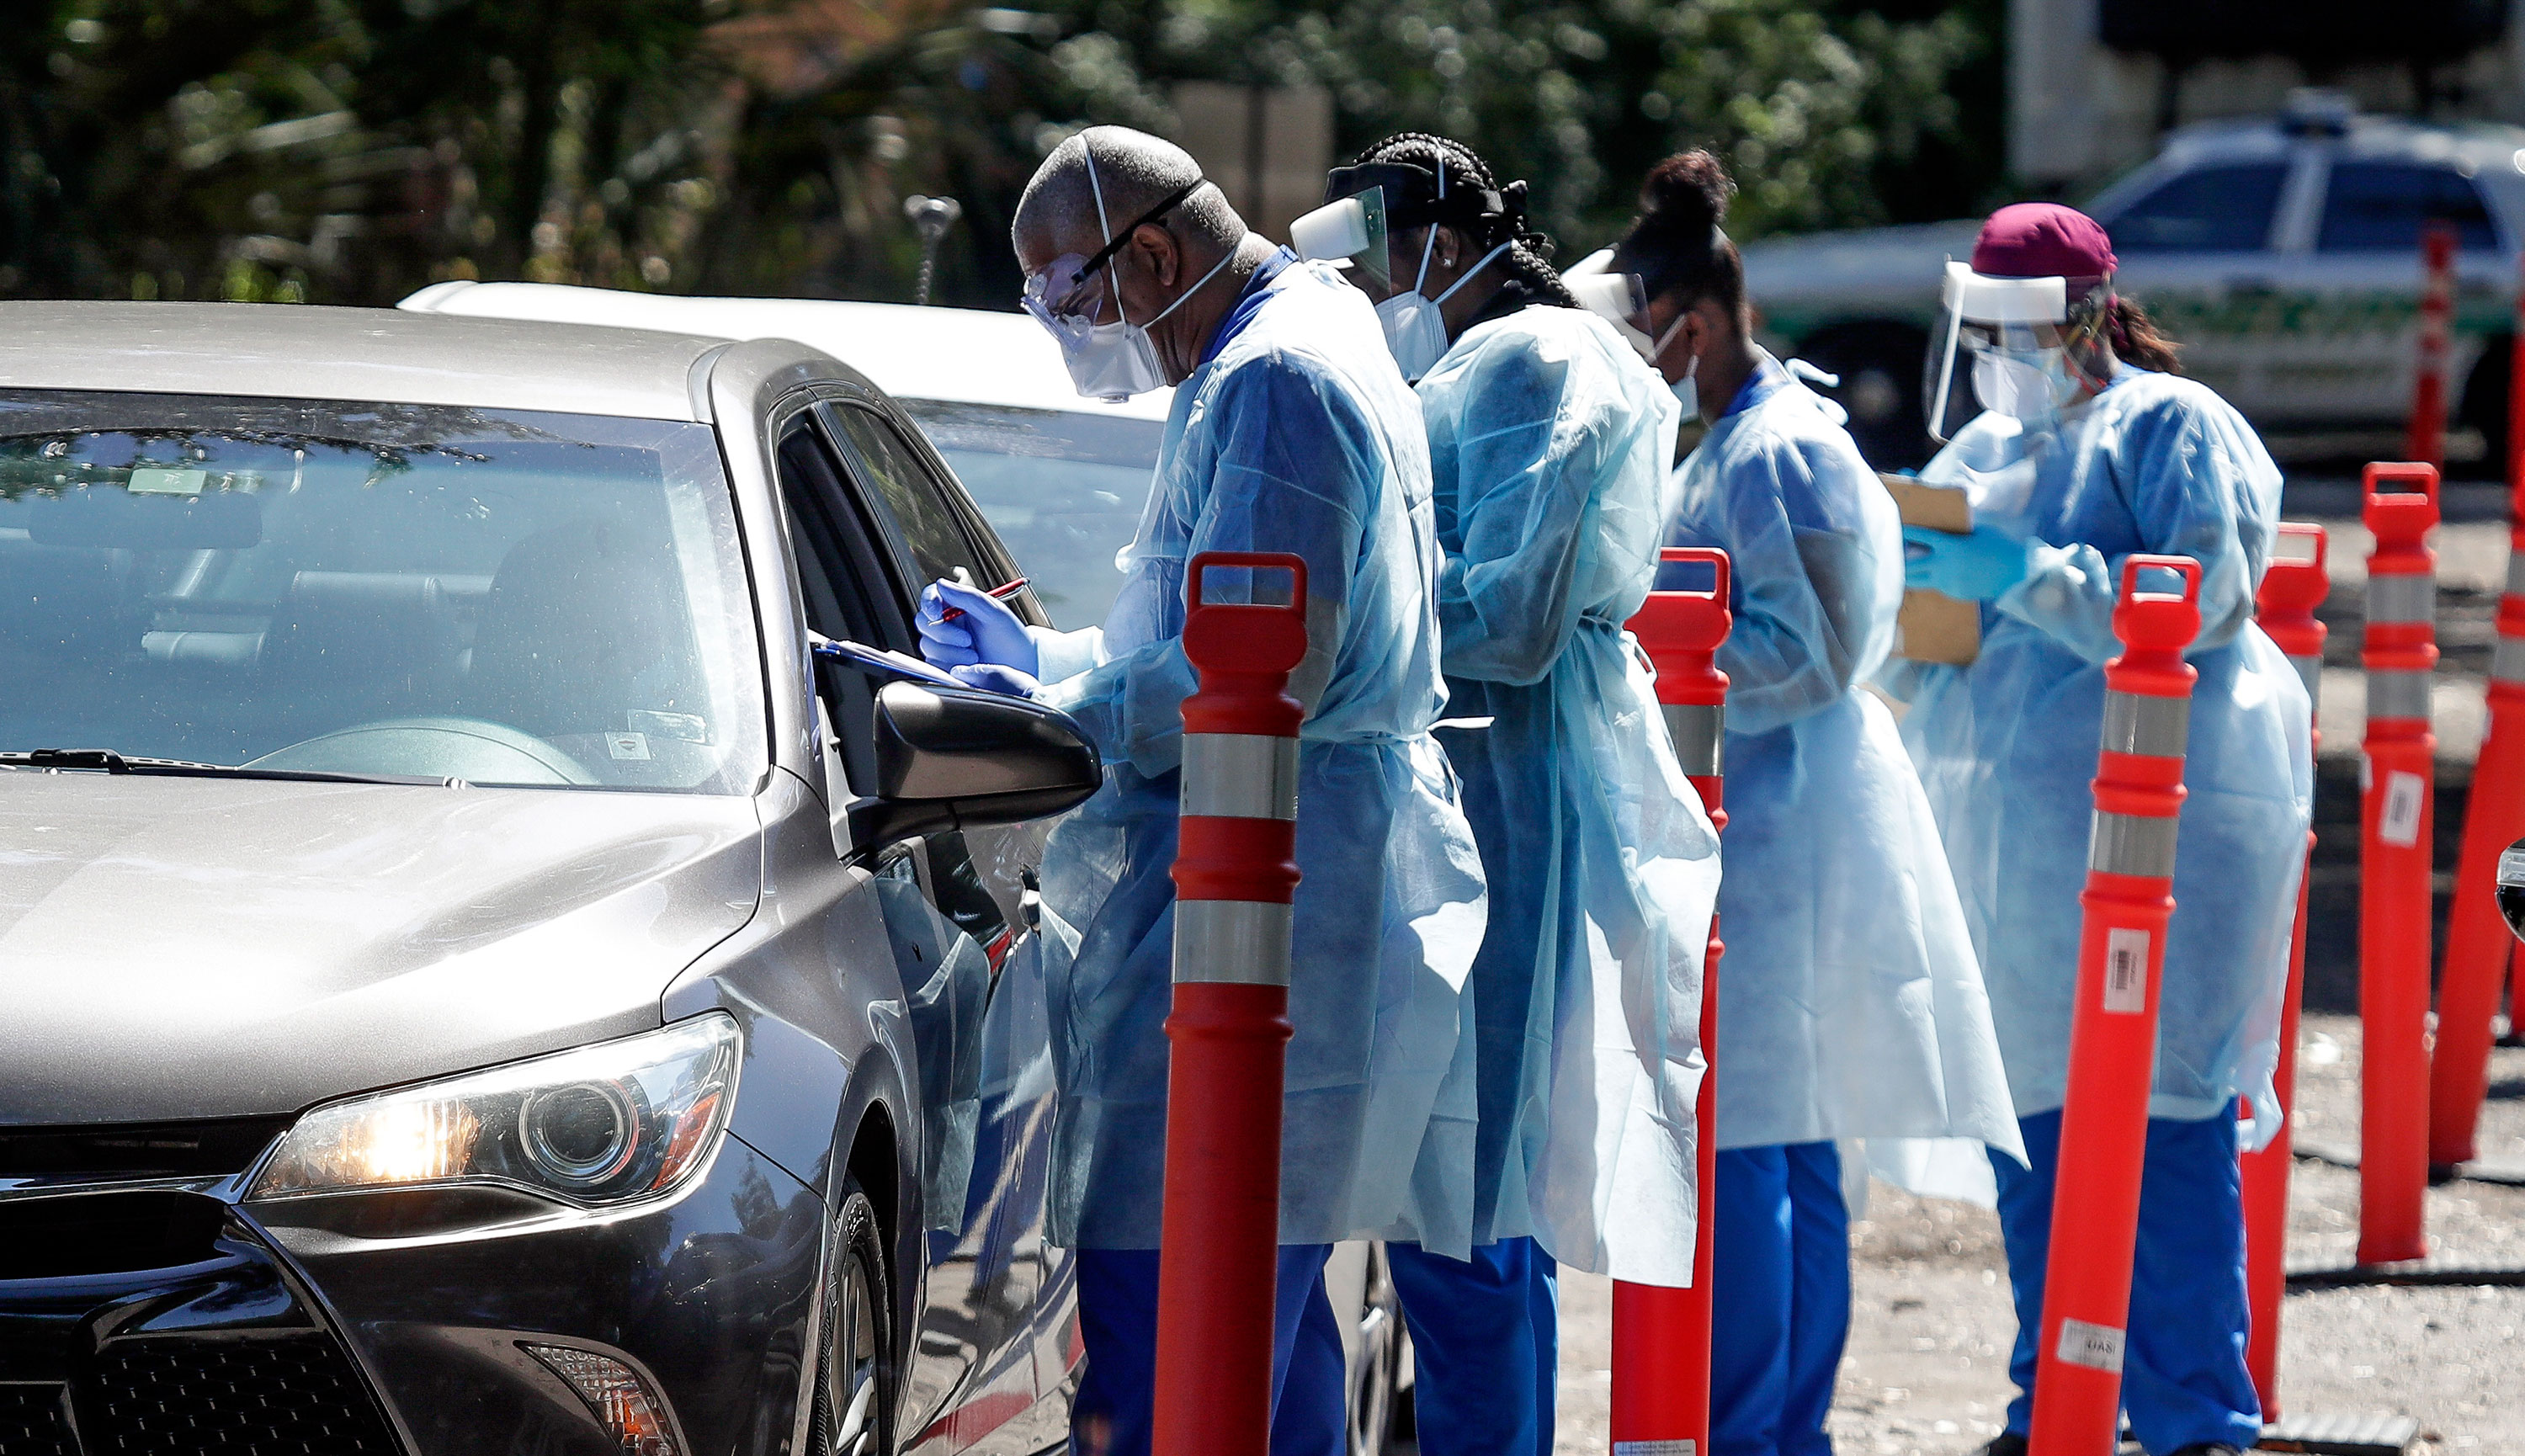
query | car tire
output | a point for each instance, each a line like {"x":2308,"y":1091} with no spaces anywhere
{"x":1379,"y":1397}
{"x":1881,"y":364}
{"x":856,"y":1373}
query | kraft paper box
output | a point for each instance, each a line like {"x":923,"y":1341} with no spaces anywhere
{"x":1935,"y":626}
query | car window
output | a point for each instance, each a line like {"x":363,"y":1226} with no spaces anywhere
{"x":910,"y":498}
{"x":2206,"y":209}
{"x":2380,"y":207}
{"x":402,"y":590}
{"x":1064,"y":489}
{"x":846,"y":589}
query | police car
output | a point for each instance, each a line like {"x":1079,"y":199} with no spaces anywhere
{"x":2283,"y":253}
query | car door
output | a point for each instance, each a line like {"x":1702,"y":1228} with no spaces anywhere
{"x":2199,"y":247}
{"x":2361,"y":276}
{"x":962,"y":926}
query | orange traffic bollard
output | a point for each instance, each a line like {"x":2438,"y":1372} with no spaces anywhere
{"x":2128,"y":902}
{"x":2296,"y":584}
{"x":2479,"y":946}
{"x":2426,"y":438}
{"x":1661,"y":1337}
{"x":2395,"y":818}
{"x":1236,"y":876}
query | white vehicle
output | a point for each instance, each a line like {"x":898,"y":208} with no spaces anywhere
{"x":2283,"y":254}
{"x":1062,"y":479}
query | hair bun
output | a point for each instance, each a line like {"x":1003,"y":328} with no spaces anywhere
{"x":1686,"y":193}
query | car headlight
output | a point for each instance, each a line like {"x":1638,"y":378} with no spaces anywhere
{"x":600,"y":1125}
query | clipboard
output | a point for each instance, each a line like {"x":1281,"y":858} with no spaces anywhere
{"x":1933,"y":627}
{"x":882,"y":661}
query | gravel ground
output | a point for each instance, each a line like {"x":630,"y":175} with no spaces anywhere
{"x":1926,"y":1373}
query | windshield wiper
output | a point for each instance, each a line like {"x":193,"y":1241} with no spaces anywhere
{"x":107,"y":760}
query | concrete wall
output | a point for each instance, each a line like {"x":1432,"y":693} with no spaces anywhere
{"x":2079,"y":113}
{"x":1267,"y":147}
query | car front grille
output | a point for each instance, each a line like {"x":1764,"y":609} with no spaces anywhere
{"x":31,"y":1423}
{"x":289,"y":1395}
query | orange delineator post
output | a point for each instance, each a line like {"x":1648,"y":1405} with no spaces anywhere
{"x":2128,"y":903}
{"x":1236,"y":879}
{"x":2426,"y":437}
{"x":2296,"y":584}
{"x":1661,"y":1337}
{"x":2479,"y":945}
{"x":2395,"y":818}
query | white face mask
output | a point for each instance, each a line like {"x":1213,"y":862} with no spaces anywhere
{"x":2032,"y":389}
{"x":1415,"y":332}
{"x":1115,"y":361}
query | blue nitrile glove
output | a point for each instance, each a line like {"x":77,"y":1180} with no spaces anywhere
{"x":990,"y":677}
{"x":1975,"y":568}
{"x":986,"y":632}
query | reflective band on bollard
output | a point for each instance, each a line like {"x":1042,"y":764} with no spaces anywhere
{"x":2128,"y":902}
{"x":1236,"y":875}
{"x":2479,"y":947}
{"x":2295,"y":584}
{"x":2396,"y":817}
{"x":1661,"y":1337}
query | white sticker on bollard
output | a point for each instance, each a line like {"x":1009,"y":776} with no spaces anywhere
{"x":2095,"y":1347}
{"x":1656,"y":1448}
{"x":2125,"y":971}
{"x":2400,"y":824}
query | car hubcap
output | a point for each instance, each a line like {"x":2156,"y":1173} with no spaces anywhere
{"x":849,"y":1375}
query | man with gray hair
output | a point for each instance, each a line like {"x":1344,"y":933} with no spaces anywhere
{"x":1290,"y":430}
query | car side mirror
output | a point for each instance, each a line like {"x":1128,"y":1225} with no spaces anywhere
{"x":2511,"y":888}
{"x":963,"y":758}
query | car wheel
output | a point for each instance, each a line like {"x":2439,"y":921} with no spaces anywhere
{"x":855,"y":1365}
{"x":1881,"y":365}
{"x":1376,"y":1386}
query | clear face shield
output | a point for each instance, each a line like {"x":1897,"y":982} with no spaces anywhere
{"x":1620,"y":300}
{"x":1349,"y":232}
{"x":2019,"y":335}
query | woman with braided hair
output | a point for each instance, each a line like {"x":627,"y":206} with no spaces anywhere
{"x":1549,"y":442}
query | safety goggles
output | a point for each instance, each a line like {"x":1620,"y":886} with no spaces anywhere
{"x":1068,"y":297}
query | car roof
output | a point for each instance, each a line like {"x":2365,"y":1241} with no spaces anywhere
{"x":2469,"y":145}
{"x":300,"y":351}
{"x":965,"y":356}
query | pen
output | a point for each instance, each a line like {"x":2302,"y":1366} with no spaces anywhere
{"x":996,"y":593}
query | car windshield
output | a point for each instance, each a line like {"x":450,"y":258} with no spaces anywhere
{"x":1063,"y":488}
{"x":379,"y":589}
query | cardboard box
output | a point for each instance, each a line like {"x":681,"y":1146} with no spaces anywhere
{"x":1932,"y":626}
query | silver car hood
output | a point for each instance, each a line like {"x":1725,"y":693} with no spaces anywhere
{"x":176,"y":948}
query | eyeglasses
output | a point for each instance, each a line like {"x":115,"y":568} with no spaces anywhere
{"x":1062,"y":297}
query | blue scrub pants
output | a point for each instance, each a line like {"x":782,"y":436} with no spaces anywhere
{"x":1779,"y":1299}
{"x":2184,"y":1379}
{"x":1117,"y":1319}
{"x":1485,"y":1347}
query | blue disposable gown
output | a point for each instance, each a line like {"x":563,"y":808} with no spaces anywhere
{"x":1850,"y":1004}
{"x":2008,"y":746}
{"x":1298,"y":436}
{"x":1548,"y":442}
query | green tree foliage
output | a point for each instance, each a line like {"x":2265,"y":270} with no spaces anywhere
{"x":351,"y":150}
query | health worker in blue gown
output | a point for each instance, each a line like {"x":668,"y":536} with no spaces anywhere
{"x":1849,"y":1002}
{"x":2092,"y":448}
{"x":1290,"y":432}
{"x":1548,"y":442}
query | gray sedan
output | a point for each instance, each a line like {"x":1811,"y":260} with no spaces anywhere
{"x":478,"y":970}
